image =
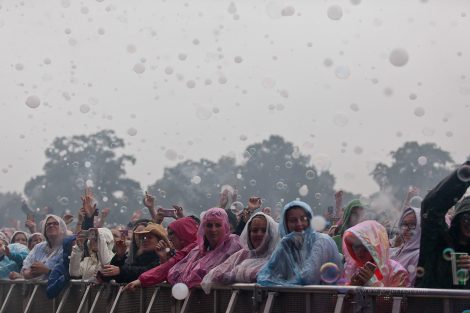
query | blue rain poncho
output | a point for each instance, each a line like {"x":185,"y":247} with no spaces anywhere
{"x":299,"y":255}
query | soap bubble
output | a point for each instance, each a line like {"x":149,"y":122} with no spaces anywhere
{"x":398,"y":57}
{"x":310,"y":174}
{"x":64,"y":200}
{"x":419,"y":111}
{"x":335,"y":12}
{"x":238,"y":59}
{"x":196,"y":180}
{"x":340,"y":119}
{"x":33,"y":102}
{"x":329,"y":272}
{"x":463,"y":173}
{"x":253,"y":182}
{"x":303,"y":191}
{"x":319,"y":223}
{"x":318,"y":196}
{"x":462,"y":276}
{"x":416,"y":201}
{"x":84,"y":108}
{"x":132,"y":131}
{"x":139,"y":68}
{"x":180,"y":291}
{"x":422,"y":160}
{"x":447,"y":254}
{"x":288,"y":11}
{"x":280,"y":185}
{"x":342,"y":72}
{"x":419,"y":271}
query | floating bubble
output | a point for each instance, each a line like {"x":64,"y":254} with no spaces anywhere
{"x":87,"y":164}
{"x":33,"y":102}
{"x":419,"y":111}
{"x":182,"y":56}
{"x":139,"y":68}
{"x":354,"y":107}
{"x":179,"y":291}
{"x":89,"y":183}
{"x":222,"y":80}
{"x":318,"y":196}
{"x":328,"y":62}
{"x":232,"y":9}
{"x":463,"y":173}
{"x":319,"y":223}
{"x":398,"y":57}
{"x":303,"y":191}
{"x":75,"y":164}
{"x":19,"y":66}
{"x":342,"y":72}
{"x":280,"y":185}
{"x":243,"y":137}
{"x":80,"y":183}
{"x":358,"y":150}
{"x":162,"y":193}
{"x":229,"y":188}
{"x":274,"y":8}
{"x":252,"y":182}
{"x":340,"y":119}
{"x":238,"y":59}
{"x":190,"y":84}
{"x":419,"y":271}
{"x":131,"y":48}
{"x":168,"y":70}
{"x":329,"y":272}
{"x":413,"y":96}
{"x":101,"y":31}
{"x":447,"y":254}
{"x":416,"y":201}
{"x":428,"y":131}
{"x":288,"y":11}
{"x":462,"y":276}
{"x":64,"y":200}
{"x":84,"y":108}
{"x":132,"y":131}
{"x":203,"y":113}
{"x":288,"y":164}
{"x":171,"y":154}
{"x":310,"y":174}
{"x":411,"y":268}
{"x":196,"y":180}
{"x":422,"y":160}
{"x":335,"y":12}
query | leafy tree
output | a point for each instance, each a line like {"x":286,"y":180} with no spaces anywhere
{"x":413,"y":164}
{"x":79,"y":161}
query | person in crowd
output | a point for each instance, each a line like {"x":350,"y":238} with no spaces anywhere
{"x":11,"y":256}
{"x":254,"y":203}
{"x":20,"y":237}
{"x":46,"y":254}
{"x":59,"y":276}
{"x":182,"y":234}
{"x":437,"y":238}
{"x":100,"y":248}
{"x":301,"y":252}
{"x":34,"y":239}
{"x":367,"y":255}
{"x":142,"y":256}
{"x":215,"y":244}
{"x":258,"y":240}
{"x":407,"y":253}
{"x":352,"y":215}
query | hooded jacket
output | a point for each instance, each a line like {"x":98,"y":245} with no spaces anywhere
{"x":299,"y":256}
{"x":408,"y":253}
{"x":90,"y":265}
{"x":13,"y":263}
{"x":344,"y":223}
{"x":373,"y":236}
{"x":59,"y":276}
{"x":201,"y":260}
{"x":244,"y":265}
{"x":436,"y":236}
{"x":186,"y":230}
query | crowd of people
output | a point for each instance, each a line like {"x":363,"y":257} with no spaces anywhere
{"x":251,"y":245}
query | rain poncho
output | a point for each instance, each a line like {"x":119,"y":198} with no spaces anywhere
{"x":344,"y":223}
{"x":16,"y":233}
{"x":373,"y":236}
{"x":13,"y":263}
{"x":90,"y":265}
{"x":59,"y":276}
{"x":44,"y":252}
{"x":299,"y":255}
{"x":186,"y":230}
{"x":408,"y":253}
{"x":200,"y":260}
{"x":244,"y":265}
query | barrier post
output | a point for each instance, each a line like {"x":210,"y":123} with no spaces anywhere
{"x":5,"y":302}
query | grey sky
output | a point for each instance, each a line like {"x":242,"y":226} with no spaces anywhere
{"x":220,"y":75}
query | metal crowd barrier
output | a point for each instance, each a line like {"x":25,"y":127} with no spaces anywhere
{"x":84,"y":297}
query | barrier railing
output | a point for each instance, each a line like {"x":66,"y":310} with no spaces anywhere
{"x":83,"y":297}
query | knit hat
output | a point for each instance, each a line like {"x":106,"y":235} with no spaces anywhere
{"x":155,"y":229}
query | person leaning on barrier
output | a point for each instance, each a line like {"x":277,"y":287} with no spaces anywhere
{"x":367,"y":254}
{"x":301,"y":252}
{"x":140,"y":261}
{"x":11,"y":256}
{"x":59,"y":276}
{"x":215,"y":244}
{"x":46,"y":254}
{"x":437,"y":238}
{"x":352,"y":215}
{"x":258,"y":239}
{"x":182,"y":234}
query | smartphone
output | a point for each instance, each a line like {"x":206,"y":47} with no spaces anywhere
{"x":168,"y":212}
{"x":84,"y":233}
{"x":124,"y":233}
{"x":370,"y":266}
{"x":330,"y":210}
{"x":30,"y":217}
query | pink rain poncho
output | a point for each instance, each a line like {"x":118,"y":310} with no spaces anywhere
{"x":373,"y":236}
{"x":243,"y":266}
{"x":192,"y":269}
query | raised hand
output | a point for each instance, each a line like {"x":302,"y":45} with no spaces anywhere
{"x":338,"y":200}
{"x":149,"y":201}
{"x":223,"y":200}
{"x":254,"y":203}
{"x":88,"y":202}
{"x":31,"y":225}
{"x":133,"y":285}
{"x":179,"y":211}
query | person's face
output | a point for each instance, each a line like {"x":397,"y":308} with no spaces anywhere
{"x":408,"y":226}
{"x":465,"y":226}
{"x":137,"y":229}
{"x":359,"y":250}
{"x":356,"y":216}
{"x":258,"y":228}
{"x":149,"y":241}
{"x":36,"y":239}
{"x":213,"y":231}
{"x":21,"y":238}
{"x":175,"y":240}
{"x":297,"y":220}
{"x":94,"y":244}
{"x":52,"y":227}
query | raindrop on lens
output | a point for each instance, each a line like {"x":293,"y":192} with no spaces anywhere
{"x":447,"y":254}
{"x":342,"y":72}
{"x":329,"y":272}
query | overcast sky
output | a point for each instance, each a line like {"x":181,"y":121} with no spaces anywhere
{"x":345,"y":81}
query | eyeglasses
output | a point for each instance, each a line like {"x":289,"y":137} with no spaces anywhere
{"x":408,"y":226}
{"x":52,"y":224}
